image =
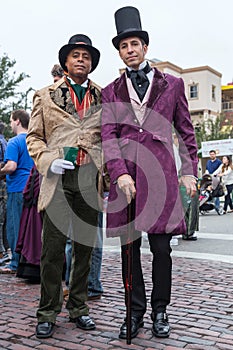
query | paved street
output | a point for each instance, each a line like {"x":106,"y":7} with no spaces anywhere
{"x":215,"y":239}
{"x":200,"y":313}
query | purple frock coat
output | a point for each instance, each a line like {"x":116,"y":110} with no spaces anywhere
{"x":29,"y":239}
{"x":146,"y":153}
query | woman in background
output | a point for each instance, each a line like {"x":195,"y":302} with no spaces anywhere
{"x":225,"y":171}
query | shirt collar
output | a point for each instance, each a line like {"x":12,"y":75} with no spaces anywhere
{"x":84,"y":84}
{"x":141,"y":66}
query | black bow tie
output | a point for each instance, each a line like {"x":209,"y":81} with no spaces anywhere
{"x":139,"y":80}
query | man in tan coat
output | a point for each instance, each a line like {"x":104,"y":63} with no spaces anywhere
{"x":64,"y":141}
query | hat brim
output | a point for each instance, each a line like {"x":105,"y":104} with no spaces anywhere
{"x":126,"y":34}
{"x":65,"y":50}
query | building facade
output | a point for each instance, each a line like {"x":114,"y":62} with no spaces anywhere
{"x":227,"y":108}
{"x":202,"y":89}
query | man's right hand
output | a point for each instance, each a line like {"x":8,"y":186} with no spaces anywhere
{"x":126,"y":184}
{"x":59,"y":166}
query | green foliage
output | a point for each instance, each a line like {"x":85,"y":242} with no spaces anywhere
{"x":210,"y":130}
{"x":10,"y":97}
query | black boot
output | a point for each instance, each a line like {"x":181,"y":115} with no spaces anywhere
{"x":44,"y":329}
{"x":161,"y":327}
{"x":136,"y":323}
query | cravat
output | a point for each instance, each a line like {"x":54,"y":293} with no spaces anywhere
{"x":79,"y":91}
{"x":139,"y":80}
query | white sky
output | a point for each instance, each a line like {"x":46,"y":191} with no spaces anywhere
{"x":186,"y":33}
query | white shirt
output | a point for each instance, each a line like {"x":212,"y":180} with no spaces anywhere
{"x":227,"y":178}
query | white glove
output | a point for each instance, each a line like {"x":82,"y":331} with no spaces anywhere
{"x":58,"y":166}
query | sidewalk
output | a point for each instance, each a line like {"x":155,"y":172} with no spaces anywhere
{"x":200,"y":313}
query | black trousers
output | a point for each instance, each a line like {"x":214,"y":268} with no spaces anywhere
{"x":161,"y":273}
{"x":228,"y":200}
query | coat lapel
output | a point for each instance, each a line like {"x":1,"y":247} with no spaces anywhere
{"x":60,"y":95}
{"x":120,"y":89}
{"x":159,"y":85}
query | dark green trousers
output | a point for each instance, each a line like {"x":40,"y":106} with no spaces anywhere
{"x":192,"y":216}
{"x":72,"y":213}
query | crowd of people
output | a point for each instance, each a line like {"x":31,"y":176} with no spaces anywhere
{"x":83,"y":143}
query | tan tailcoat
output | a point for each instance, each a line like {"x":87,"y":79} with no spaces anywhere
{"x":54,"y":124}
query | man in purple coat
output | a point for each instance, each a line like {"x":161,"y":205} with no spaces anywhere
{"x":140,"y":111}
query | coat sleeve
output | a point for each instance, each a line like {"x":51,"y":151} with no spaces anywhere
{"x":185,"y":133}
{"x":36,"y":138}
{"x":110,"y":138}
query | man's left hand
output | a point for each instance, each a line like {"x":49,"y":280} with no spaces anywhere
{"x":190,"y":184}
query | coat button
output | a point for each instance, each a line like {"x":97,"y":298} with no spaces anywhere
{"x":140,"y":130}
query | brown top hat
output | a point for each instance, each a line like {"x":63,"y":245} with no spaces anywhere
{"x":79,"y":40}
{"x":128,"y":24}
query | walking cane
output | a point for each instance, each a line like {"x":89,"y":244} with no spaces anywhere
{"x":128,"y":287}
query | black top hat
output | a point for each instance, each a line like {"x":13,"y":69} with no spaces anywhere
{"x":128,"y":24}
{"x":79,"y":40}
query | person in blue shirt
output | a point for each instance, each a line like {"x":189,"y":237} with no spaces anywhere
{"x":212,"y":164}
{"x":17,"y":168}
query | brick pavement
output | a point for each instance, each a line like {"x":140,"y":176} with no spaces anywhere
{"x":200,"y":312}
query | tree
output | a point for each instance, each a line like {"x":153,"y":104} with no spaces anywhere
{"x":212,"y":129}
{"x":10,"y":97}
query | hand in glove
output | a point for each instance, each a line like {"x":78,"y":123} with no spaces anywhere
{"x":58,"y":166}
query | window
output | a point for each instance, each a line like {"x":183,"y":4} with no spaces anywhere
{"x":193,"y":91}
{"x":213,"y":93}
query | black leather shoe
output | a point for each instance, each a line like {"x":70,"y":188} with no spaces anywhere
{"x":161,"y":327}
{"x":84,"y":322}
{"x":44,"y":329}
{"x":136,"y":323}
{"x":189,"y":238}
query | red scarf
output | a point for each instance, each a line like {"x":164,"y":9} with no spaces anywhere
{"x":83,"y":157}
